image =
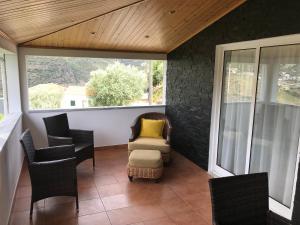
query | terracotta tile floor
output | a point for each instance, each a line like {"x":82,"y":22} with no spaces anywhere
{"x":106,"y":197}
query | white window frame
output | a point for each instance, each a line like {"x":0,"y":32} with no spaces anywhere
{"x":4,"y":85}
{"x":213,"y":168}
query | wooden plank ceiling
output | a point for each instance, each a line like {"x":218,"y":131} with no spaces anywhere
{"x":123,"y":25}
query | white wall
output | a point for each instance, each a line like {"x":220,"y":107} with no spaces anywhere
{"x":11,"y":160}
{"x":110,"y":126}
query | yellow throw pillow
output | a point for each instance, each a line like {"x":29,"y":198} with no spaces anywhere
{"x":152,"y":128}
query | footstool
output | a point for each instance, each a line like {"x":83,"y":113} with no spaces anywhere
{"x":145,"y":164}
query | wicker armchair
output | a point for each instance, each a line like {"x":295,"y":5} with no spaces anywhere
{"x":163,"y":145}
{"x":52,"y":170}
{"x":242,"y":200}
{"x":59,"y":133}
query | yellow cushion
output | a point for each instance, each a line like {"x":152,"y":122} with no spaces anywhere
{"x":145,"y":159}
{"x":152,"y":128}
{"x":149,"y":144}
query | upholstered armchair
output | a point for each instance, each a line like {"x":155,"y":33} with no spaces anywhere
{"x":52,"y":170}
{"x":140,"y":143}
{"x":242,"y":199}
{"x":59,"y":133}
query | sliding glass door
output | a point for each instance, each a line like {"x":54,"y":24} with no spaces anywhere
{"x":237,"y":91}
{"x":277,"y":119}
{"x":256,"y":115}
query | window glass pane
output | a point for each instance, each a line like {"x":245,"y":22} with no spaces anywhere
{"x":77,"y":82}
{"x":237,"y":92}
{"x":2,"y":95}
{"x":277,"y":119}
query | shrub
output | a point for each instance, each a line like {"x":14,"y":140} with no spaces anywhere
{"x":116,"y":86}
{"x":45,"y":96}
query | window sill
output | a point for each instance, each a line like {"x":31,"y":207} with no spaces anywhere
{"x":95,"y":108}
{"x":7,"y":126}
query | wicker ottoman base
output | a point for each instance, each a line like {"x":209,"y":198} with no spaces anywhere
{"x":145,"y":172}
{"x":145,"y":164}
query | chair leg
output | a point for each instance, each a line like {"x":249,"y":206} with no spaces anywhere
{"x":93,"y":161}
{"x":77,"y":205}
{"x":130,"y":178}
{"x":31,"y":208}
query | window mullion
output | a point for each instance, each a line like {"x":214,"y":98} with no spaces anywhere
{"x":252,"y":108}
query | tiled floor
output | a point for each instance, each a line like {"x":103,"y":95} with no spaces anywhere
{"x":106,"y":197}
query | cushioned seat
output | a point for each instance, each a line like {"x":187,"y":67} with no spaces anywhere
{"x":145,"y":158}
{"x":149,"y":144}
{"x":145,"y":164}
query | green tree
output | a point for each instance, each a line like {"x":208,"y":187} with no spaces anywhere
{"x":117,"y":85}
{"x":157,"y":94}
{"x":45,"y":96}
{"x":157,"y":70}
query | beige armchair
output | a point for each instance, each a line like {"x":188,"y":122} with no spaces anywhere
{"x":144,"y":143}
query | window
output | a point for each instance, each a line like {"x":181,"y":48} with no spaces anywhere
{"x":3,"y":101}
{"x":256,"y":115}
{"x":81,"y":82}
{"x":238,"y":82}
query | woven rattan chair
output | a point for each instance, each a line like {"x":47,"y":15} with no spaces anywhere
{"x":52,"y":170}
{"x":162,"y":145}
{"x":242,"y":200}
{"x":59,"y":133}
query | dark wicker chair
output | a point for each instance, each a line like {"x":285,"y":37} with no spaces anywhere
{"x":52,"y":170}
{"x":59,"y":133}
{"x":138,"y":144}
{"x":242,"y":200}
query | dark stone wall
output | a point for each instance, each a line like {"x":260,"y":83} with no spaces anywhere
{"x":191,"y":69}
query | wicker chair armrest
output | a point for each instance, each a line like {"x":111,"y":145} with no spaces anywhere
{"x":82,"y":136}
{"x":55,"y":153}
{"x":169,"y":131}
{"x":135,"y":129}
{"x":56,"y":141}
{"x":53,"y":172}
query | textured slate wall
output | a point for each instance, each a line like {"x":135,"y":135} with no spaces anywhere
{"x":191,"y":66}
